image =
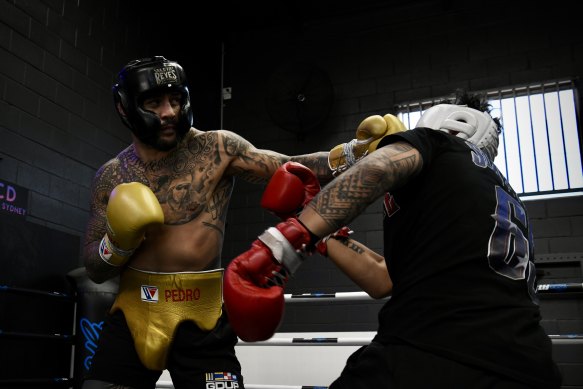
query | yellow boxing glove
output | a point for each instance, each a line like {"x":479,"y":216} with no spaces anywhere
{"x":394,"y":125}
{"x":132,"y":207}
{"x":368,"y":135}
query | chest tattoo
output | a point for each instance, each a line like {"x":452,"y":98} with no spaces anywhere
{"x":188,"y":182}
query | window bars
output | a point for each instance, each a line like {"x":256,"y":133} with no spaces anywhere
{"x":540,"y":145}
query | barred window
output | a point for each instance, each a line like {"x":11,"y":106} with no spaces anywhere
{"x":540,"y":145}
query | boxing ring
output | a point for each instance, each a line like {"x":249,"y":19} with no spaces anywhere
{"x":298,"y":360}
{"x":313,"y":360}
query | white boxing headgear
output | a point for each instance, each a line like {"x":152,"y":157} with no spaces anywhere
{"x":464,"y":122}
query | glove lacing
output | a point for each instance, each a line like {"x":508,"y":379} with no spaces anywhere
{"x":279,"y":278}
{"x":348,"y":152}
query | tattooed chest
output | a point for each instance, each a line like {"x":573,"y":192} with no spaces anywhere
{"x":188,"y":196}
{"x":189,"y":183}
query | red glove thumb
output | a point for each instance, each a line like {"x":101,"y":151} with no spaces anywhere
{"x":291,"y":187}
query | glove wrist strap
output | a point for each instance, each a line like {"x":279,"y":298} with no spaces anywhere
{"x":111,"y":254}
{"x":342,"y":234}
{"x":281,"y":249}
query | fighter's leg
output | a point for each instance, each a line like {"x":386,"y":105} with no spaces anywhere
{"x":201,"y":359}
{"x":405,"y":367}
{"x":366,"y":368}
{"x":116,"y":361}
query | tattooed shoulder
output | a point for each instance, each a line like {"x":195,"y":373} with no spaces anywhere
{"x":233,"y":144}
{"x":106,"y":178}
{"x":108,"y":170}
{"x":406,"y":157}
{"x":202,"y":143}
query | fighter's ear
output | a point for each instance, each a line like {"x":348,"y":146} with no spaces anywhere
{"x":120,"y":109}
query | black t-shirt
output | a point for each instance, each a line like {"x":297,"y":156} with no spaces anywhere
{"x":460,"y":254}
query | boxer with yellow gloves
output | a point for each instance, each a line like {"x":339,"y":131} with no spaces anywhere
{"x":132,"y":209}
{"x":368,"y":135}
{"x":157,"y":221}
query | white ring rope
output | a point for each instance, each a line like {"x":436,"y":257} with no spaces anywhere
{"x":363,"y":296}
{"x":558,"y":288}
{"x":308,"y":342}
{"x":346,"y":296}
{"x":323,"y":341}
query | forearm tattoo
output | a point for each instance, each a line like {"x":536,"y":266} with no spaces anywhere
{"x":261,"y":164}
{"x":351,"y":245}
{"x":318,"y":163}
{"x":348,"y":195}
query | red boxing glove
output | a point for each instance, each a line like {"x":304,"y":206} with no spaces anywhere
{"x":254,"y":310}
{"x":291,"y":187}
{"x":254,"y":281}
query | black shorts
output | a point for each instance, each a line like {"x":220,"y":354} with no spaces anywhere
{"x":196,"y":359}
{"x":399,"y":366}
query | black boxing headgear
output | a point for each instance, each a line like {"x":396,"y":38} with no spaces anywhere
{"x":138,"y":79}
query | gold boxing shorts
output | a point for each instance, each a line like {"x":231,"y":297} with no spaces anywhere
{"x":154,"y":304}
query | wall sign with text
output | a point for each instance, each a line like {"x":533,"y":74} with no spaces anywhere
{"x":13,"y":199}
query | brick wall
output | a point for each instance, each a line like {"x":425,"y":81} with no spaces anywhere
{"x":57,"y":123}
{"x":59,"y":60}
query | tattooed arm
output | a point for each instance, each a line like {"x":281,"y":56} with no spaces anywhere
{"x":251,"y":164}
{"x":364,"y":267}
{"x":257,"y":165}
{"x":97,"y":269}
{"x":346,"y":197}
{"x":318,"y":163}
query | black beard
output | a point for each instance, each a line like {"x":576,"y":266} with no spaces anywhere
{"x":161,"y":145}
{"x":151,"y":137}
